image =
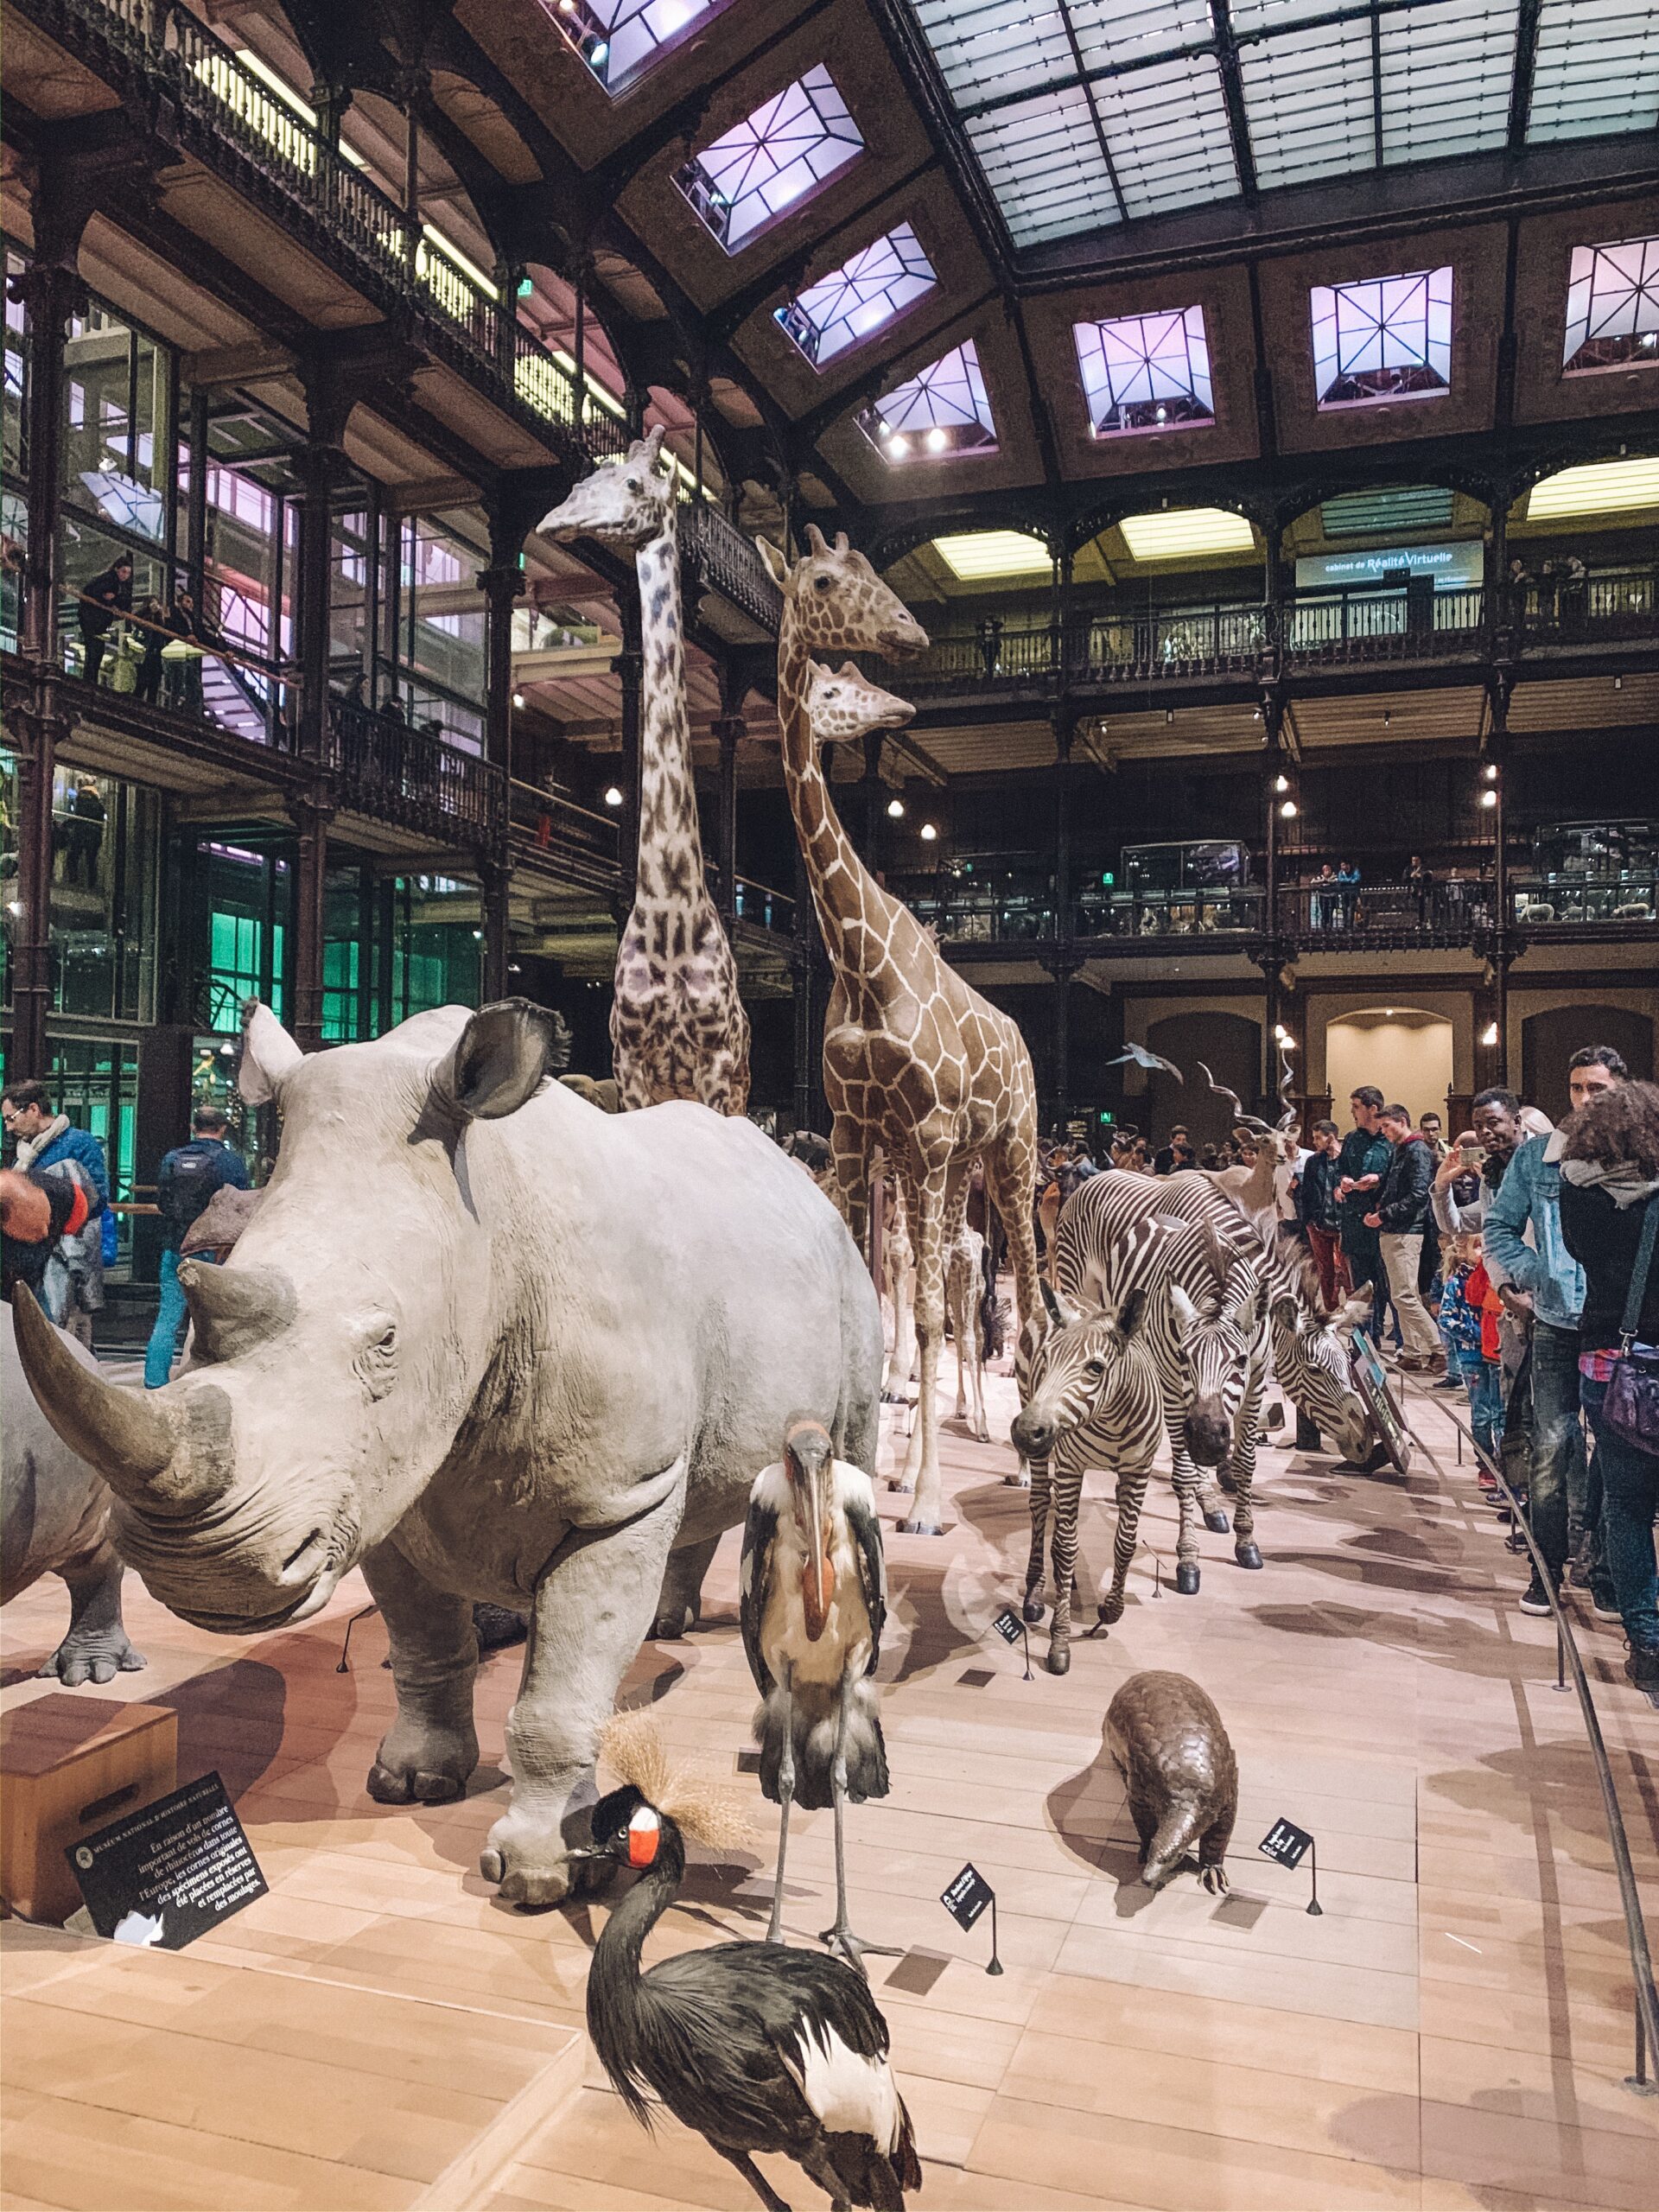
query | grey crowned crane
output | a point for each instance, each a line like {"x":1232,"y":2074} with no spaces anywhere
{"x":812,"y":1591}
{"x":757,"y":2046}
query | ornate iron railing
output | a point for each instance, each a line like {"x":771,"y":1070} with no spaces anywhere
{"x":414,"y":777}
{"x":580,"y":846}
{"x":719,"y":558}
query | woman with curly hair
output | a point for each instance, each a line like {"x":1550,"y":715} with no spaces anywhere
{"x":1609,"y":1184}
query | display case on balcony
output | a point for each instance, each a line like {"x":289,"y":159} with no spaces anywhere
{"x":1193,"y":887}
{"x":1590,"y":872}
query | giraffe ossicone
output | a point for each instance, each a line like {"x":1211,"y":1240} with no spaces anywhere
{"x":678,"y":1029}
{"x":914,"y":1061}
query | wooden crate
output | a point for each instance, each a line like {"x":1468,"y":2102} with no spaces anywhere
{"x":68,"y":1765}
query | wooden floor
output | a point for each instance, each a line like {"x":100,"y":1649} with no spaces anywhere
{"x":1453,"y":2032}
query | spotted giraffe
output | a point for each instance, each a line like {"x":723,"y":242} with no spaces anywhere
{"x":914,"y":1061}
{"x":677,"y":1026}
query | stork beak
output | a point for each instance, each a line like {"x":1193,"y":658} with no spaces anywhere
{"x":817,"y":1581}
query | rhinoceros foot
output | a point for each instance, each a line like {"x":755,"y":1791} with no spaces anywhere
{"x":526,"y":1859}
{"x":94,"y":1655}
{"x":423,"y":1761}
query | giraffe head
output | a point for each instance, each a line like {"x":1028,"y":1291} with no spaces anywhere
{"x":843,"y":703}
{"x":624,"y":503}
{"x":839,"y":603}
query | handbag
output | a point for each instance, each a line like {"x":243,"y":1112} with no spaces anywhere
{"x":1631,"y":1407}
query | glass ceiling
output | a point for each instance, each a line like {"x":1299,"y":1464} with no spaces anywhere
{"x":1084,"y":113}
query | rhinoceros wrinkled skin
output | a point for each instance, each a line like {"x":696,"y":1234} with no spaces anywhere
{"x":490,"y":1344}
{"x":1174,"y":1752}
{"x":54,"y":1519}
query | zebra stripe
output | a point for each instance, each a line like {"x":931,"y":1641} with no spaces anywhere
{"x":1207,"y":1334}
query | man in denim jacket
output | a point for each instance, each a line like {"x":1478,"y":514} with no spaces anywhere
{"x":1538,"y":1278}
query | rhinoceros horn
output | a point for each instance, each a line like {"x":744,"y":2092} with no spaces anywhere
{"x":233,"y":1309}
{"x":129,"y":1436}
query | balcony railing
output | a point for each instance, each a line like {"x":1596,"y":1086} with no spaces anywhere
{"x":226,"y":113}
{"x":414,"y":777}
{"x":719,"y":558}
{"x":1542,"y":902}
{"x":571,"y":841}
{"x":1347,"y":628}
{"x":1449,"y":910}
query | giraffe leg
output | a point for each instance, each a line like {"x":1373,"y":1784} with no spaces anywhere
{"x":1010,"y":1173}
{"x":1040,"y":1495}
{"x":927,"y":1223}
{"x":1131,"y":1496}
{"x":847,"y":1152}
{"x":1067,"y":1494}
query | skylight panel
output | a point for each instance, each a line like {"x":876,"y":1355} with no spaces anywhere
{"x":618,"y":39}
{"x":1309,"y":102}
{"x":1123,"y":32}
{"x":1382,"y":338}
{"x":1186,"y":533}
{"x":854,"y":301}
{"x":1145,"y":371}
{"x":984,"y":553}
{"x":1602,"y":487}
{"x":756,"y":172}
{"x":1166,"y":131}
{"x":1597,"y":69}
{"x":1000,"y":46}
{"x":1042,"y":163}
{"x":1613,"y":306}
{"x":1446,"y":75}
{"x":1392,"y":507}
{"x":942,"y":410}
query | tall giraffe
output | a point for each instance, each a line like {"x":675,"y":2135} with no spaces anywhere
{"x":913,"y":1059}
{"x":677,"y":1026}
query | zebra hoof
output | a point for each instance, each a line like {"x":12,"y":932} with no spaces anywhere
{"x":1248,"y":1556}
{"x":1059,"y":1659}
{"x":1032,"y":1609}
{"x":1186,"y":1578}
{"x":1111,"y":1611}
{"x":1216,"y":1523}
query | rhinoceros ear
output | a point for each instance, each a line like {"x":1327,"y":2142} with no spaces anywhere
{"x":268,"y":1054}
{"x":500,"y":1059}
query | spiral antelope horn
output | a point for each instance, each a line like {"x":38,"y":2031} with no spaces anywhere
{"x":1245,"y":1121}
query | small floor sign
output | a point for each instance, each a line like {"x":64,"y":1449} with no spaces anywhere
{"x":167,"y":1874}
{"x":966,"y":1897}
{"x":1285,"y":1843}
{"x":1008,"y":1625}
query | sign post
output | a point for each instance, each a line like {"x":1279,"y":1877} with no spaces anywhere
{"x":1287,"y":1846}
{"x":966,"y":1898}
{"x":1012,"y":1629}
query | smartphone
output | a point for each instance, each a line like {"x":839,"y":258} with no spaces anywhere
{"x":1474,"y":1155}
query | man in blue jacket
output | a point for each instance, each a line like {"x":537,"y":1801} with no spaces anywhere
{"x":1539,"y":1281}
{"x":187,"y":1179}
{"x":44,"y":1138}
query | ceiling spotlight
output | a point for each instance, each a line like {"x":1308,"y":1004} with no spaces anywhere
{"x":897,"y":449}
{"x":513,"y":969}
{"x":567,"y":7}
{"x":938,"y":439}
{"x":612,"y":795}
{"x":929,"y":833}
{"x":1288,"y":810}
{"x":518,"y":698}
{"x":896,"y":810}
{"x":478,"y":935}
{"x":1489,"y":799}
{"x":1490,"y":771}
{"x":1169,"y":713}
{"x":1618,"y":683}
{"x":1282,"y":783}
{"x":1387,"y":718}
{"x":1488,"y":1034}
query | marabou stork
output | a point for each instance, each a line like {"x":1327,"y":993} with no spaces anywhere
{"x":757,"y":2046}
{"x":813,"y":1594}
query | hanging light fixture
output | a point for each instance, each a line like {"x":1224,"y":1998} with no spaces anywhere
{"x":1488,"y":1034}
{"x":1282,"y":783}
{"x":1490,"y":772}
{"x":1488,"y":797}
{"x":895,"y":810}
{"x":1287,"y":811}
{"x":928,"y":833}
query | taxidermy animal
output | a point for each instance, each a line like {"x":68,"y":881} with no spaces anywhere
{"x":54,"y":1519}
{"x":812,"y":1595}
{"x":489,"y":1344}
{"x":964,"y":1289}
{"x":755,"y":2046}
{"x":677,"y":1026}
{"x":1169,"y":1743}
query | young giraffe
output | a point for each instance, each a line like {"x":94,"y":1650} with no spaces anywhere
{"x":677,"y":1026}
{"x":913,"y":1059}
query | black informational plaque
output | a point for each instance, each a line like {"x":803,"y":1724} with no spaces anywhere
{"x":1008,"y":1625}
{"x":1371,"y":1380}
{"x":966,"y":1897}
{"x":168,"y":1874}
{"x":1285,"y":1842}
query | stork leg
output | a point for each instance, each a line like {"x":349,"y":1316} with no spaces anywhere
{"x":757,"y":2181}
{"x":785,"y":1794}
{"x":841,"y":1938}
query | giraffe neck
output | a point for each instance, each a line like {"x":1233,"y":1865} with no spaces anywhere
{"x":670,"y":860}
{"x":844,"y":891}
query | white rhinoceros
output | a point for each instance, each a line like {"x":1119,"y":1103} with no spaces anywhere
{"x":54,"y":1519}
{"x":492,"y":1344}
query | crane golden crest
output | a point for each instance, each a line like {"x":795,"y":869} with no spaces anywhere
{"x":632,"y":1747}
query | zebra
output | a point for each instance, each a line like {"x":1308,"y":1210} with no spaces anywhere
{"x":1212,"y":1368}
{"x":1090,"y":1395}
{"x":1310,"y":1346}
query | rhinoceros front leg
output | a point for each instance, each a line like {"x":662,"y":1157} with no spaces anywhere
{"x":95,"y":1649}
{"x":431,"y":1748}
{"x":594,"y":1608}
